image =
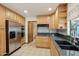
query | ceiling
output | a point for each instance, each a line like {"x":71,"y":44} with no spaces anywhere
{"x":34,"y":9}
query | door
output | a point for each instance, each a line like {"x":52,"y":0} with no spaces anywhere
{"x":18,"y":37}
{"x":30,"y":31}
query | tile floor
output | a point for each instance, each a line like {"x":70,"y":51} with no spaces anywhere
{"x":31,"y":50}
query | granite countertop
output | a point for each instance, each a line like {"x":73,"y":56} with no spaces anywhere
{"x":61,"y":51}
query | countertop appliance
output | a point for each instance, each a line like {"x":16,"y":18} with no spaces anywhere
{"x":13,"y":35}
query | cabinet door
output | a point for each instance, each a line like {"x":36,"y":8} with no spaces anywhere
{"x":43,"y":20}
{"x":10,"y":15}
{"x":22,"y":20}
{"x":54,"y":51}
{"x":2,"y":16}
{"x":2,"y":42}
{"x":62,"y":16}
{"x":42,"y":42}
{"x":51,"y":24}
{"x":17,"y":18}
{"x":13,"y":16}
{"x":56,"y":19}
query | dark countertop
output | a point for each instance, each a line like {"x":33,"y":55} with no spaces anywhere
{"x":56,"y":36}
{"x":62,"y":51}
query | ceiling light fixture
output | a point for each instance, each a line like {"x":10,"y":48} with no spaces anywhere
{"x":25,"y":11}
{"x":49,"y":9}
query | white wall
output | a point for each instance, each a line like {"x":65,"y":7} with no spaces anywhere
{"x":28,"y":18}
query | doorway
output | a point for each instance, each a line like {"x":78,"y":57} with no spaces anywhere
{"x":31,"y":30}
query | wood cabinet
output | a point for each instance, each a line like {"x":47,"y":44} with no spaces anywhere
{"x":43,"y":19}
{"x":10,"y":15}
{"x":22,"y":41}
{"x":53,"y":48}
{"x":54,"y":20}
{"x":20,"y":19}
{"x":58,"y":20}
{"x":2,"y":16}
{"x":2,"y":41}
{"x":62,"y":16}
{"x":7,"y":14}
{"x":42,"y":41}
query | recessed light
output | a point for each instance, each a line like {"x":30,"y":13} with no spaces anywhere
{"x":49,"y":9}
{"x":25,"y":11}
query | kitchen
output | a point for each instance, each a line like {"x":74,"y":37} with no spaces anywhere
{"x":53,"y":28}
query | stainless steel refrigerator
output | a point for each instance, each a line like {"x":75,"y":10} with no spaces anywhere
{"x":13,"y":36}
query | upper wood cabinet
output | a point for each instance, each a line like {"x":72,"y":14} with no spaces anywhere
{"x":43,"y":19}
{"x":54,"y":20}
{"x":52,"y":24}
{"x":17,"y":18}
{"x":20,"y":19}
{"x":2,"y":16}
{"x":58,"y":20}
{"x":23,"y":20}
{"x":10,"y":15}
{"x":62,"y":16}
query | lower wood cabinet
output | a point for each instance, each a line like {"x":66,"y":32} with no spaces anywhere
{"x":2,"y":42}
{"x":53,"y":48}
{"x":42,"y":41}
{"x":22,"y":41}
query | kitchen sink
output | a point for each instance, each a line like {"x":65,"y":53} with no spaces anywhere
{"x":66,"y":45}
{"x":69,"y":47}
{"x":61,"y":42}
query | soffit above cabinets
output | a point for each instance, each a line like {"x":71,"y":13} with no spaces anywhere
{"x":34,"y":9}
